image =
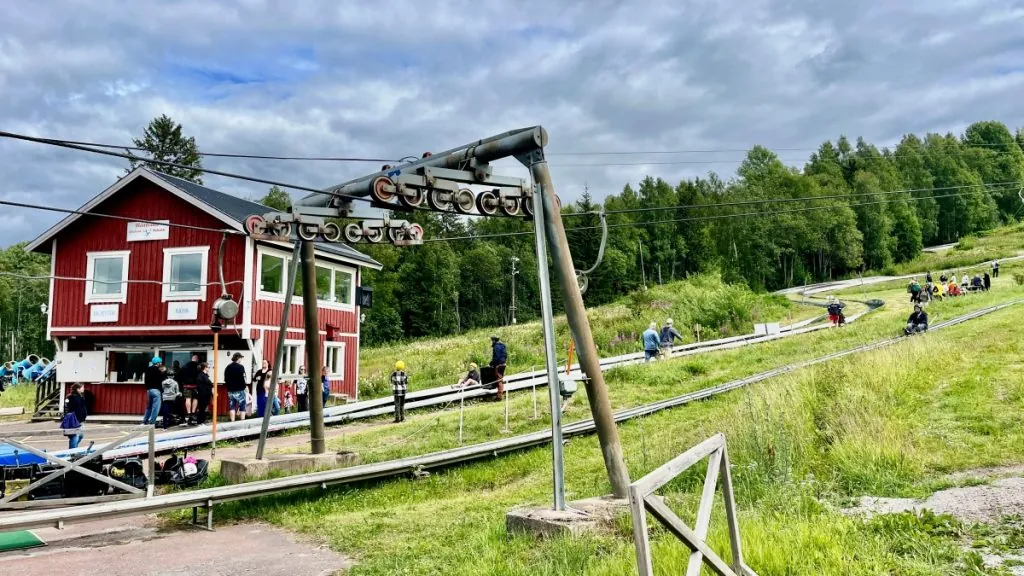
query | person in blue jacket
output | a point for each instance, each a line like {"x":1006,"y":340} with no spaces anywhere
{"x":652,"y":341}
{"x":499,"y":357}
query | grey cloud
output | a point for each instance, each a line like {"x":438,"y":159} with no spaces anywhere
{"x":332,"y":78}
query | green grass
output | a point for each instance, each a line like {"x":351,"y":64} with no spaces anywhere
{"x":892,"y":422}
{"x":20,"y":395}
{"x":989,"y":245}
{"x":721,"y":310}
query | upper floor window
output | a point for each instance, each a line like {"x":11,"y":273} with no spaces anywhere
{"x":106,"y":277}
{"x":334,"y":283}
{"x":185,"y":273}
{"x":271,"y":274}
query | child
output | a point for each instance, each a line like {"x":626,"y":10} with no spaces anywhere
{"x":472,"y":377}
{"x":289,"y":398}
{"x":170,"y":394}
{"x":301,"y":391}
{"x":399,"y":386}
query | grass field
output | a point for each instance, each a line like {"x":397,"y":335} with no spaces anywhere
{"x":890,"y":423}
{"x":990,"y":245}
{"x":23,"y":395}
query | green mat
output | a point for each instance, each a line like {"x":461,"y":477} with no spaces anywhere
{"x":19,"y":540}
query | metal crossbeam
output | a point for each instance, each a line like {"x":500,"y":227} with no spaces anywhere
{"x":642,"y":500}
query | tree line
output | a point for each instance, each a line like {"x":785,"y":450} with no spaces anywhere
{"x":851,"y":208}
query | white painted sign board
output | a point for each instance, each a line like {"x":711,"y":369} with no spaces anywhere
{"x":142,"y":231}
{"x":182,"y":310}
{"x":760,"y":329}
{"x":773,"y":328}
{"x":104,"y":312}
{"x":81,"y":366}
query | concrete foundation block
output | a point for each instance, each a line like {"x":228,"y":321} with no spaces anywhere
{"x":580,"y":517}
{"x":236,"y":470}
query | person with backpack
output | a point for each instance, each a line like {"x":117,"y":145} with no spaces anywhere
{"x":834,"y":310}
{"x":75,"y":406}
{"x":169,"y":394}
{"x":204,"y":392}
{"x":234,"y":381}
{"x":915,"y":291}
{"x":499,"y":358}
{"x":668,"y":337}
{"x":987,"y":282}
{"x":399,"y":387}
{"x":154,"y":378}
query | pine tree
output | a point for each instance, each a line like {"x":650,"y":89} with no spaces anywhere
{"x":163,"y":141}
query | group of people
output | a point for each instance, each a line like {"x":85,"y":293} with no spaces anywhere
{"x":499,"y":359}
{"x":950,"y":285}
{"x":184,"y":393}
{"x":658,"y":342}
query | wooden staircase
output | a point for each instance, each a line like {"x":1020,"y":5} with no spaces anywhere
{"x":48,"y":400}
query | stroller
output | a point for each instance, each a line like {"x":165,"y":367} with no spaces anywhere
{"x":182,"y":471}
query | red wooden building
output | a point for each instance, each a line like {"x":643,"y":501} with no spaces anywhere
{"x":123,"y":291}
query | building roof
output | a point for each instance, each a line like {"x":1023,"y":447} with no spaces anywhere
{"x":231,"y":209}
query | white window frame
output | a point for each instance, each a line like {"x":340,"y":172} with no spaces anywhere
{"x":166,"y":294}
{"x":286,"y":259}
{"x":293,"y":349}
{"x":338,"y":371}
{"x":90,"y":270}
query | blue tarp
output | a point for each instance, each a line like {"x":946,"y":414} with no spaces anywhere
{"x":24,"y":458}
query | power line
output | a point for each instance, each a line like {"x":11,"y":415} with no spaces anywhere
{"x":225,"y":155}
{"x":115,"y":217}
{"x":712,"y":150}
{"x":742,"y":160}
{"x":62,"y":144}
{"x":79,"y":279}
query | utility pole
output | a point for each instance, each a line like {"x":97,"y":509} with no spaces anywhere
{"x":293,"y":266}
{"x":512,"y":308}
{"x":643,"y":275}
{"x":313,"y":362}
{"x":597,"y":392}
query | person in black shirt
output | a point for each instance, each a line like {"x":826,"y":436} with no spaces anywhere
{"x":154,"y":379}
{"x":499,"y":357}
{"x":76,"y":404}
{"x":917,"y":322}
{"x":204,"y":392}
{"x":234,"y":381}
{"x":187,"y":380}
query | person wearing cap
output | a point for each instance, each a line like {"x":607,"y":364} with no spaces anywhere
{"x":651,"y":342}
{"x":472,"y":377}
{"x":499,"y":358}
{"x":154,"y":379}
{"x":668,"y":336}
{"x":399,"y":386}
{"x":918,"y":321}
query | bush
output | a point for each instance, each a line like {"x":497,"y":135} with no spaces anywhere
{"x":640,"y":302}
{"x":966,"y":243}
{"x":1019,"y":277}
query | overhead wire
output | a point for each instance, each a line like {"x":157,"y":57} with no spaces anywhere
{"x":116,"y":217}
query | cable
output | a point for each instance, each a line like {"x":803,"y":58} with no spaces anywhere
{"x":62,"y":144}
{"x":742,"y":160}
{"x":78,"y":279}
{"x":115,"y":217}
{"x":224,"y":155}
{"x":712,"y":151}
{"x":800,"y":199}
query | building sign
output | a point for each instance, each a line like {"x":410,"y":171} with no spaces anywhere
{"x":182,"y":310}
{"x":103,"y":312}
{"x":141,"y":231}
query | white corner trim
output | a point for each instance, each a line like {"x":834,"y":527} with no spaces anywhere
{"x":165,"y":289}
{"x":49,"y":310}
{"x":248,"y":284}
{"x":90,"y":259}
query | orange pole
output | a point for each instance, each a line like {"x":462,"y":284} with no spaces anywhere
{"x":213,"y":409}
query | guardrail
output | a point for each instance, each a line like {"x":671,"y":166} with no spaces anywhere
{"x":208,"y":497}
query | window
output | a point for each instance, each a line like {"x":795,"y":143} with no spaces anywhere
{"x":129,"y":366}
{"x":271,"y":274}
{"x":323,"y":284}
{"x":293,"y":354}
{"x":106,"y":277}
{"x":342,"y":287}
{"x":185,"y":273}
{"x":334,"y":358}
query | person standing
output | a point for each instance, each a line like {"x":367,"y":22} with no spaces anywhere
{"x":995,"y":268}
{"x":302,"y":391}
{"x":234,"y":381}
{"x":651,"y":342}
{"x":260,"y":383}
{"x":154,"y":379}
{"x":987,"y":280}
{"x":187,"y":378}
{"x":399,"y":387}
{"x":499,"y":358}
{"x":204,"y":392}
{"x":169,"y":395}
{"x":325,"y":385}
{"x":928,"y":277}
{"x":76,"y":405}
{"x":668,"y":337}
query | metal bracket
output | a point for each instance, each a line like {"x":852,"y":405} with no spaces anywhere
{"x":209,"y":516}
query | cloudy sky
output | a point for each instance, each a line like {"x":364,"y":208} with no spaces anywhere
{"x":341,"y":78}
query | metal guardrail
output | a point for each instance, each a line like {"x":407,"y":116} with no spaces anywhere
{"x":208,"y":497}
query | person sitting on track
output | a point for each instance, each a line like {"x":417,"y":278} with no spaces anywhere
{"x":835,"y":310}
{"x":917,"y":322}
{"x":472,"y":378}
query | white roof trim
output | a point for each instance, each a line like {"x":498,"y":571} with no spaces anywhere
{"x":116,"y":187}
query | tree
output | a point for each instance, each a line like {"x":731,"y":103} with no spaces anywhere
{"x":163,"y":141}
{"x":277,"y":199}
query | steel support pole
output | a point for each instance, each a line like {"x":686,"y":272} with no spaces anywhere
{"x":293,"y":268}
{"x":551,"y":360}
{"x":313,"y":361}
{"x":213,"y":408}
{"x":597,"y":393}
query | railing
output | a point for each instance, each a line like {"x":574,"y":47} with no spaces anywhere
{"x":643,"y":500}
{"x":47,"y":396}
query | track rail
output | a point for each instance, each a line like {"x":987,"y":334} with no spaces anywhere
{"x":208,"y":497}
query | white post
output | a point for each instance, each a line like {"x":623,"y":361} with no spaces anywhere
{"x":462,"y":393}
{"x":505,"y":430}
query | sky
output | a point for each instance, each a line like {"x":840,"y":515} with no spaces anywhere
{"x":340,"y":78}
